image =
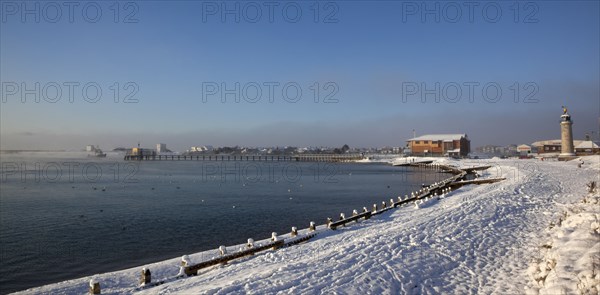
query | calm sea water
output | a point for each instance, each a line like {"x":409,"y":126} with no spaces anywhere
{"x":64,"y":215}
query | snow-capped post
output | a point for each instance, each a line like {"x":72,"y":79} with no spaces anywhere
{"x":223,"y":252}
{"x":329,"y":221}
{"x":250,"y":243}
{"x":274,"y":239}
{"x":312,"y":226}
{"x":185,"y":260}
{"x":146,"y":277}
{"x":392,"y":203}
{"x":294,"y":231}
{"x":94,"y":287}
{"x":383,"y":205}
{"x":354,"y":212}
{"x":342,"y":217}
{"x":399,"y":199}
{"x":374,"y":208}
{"x":365,"y":209}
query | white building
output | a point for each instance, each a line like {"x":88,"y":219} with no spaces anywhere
{"x":161,"y":148}
{"x":204,"y":148}
{"x":90,"y":148}
{"x":523,"y":148}
{"x":587,"y":148}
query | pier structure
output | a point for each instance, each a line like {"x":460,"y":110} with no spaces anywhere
{"x":264,"y":158}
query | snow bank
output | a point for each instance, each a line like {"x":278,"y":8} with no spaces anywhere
{"x":570,"y":262}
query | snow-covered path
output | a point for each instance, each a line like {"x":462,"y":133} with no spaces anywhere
{"x":476,"y":240}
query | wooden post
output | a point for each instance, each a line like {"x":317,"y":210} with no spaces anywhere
{"x":294,"y":231}
{"x":374,"y":208}
{"x":312,"y":226}
{"x":250,"y":243}
{"x":222,"y":250}
{"x":383,"y":206}
{"x":274,"y":238}
{"x":185,"y":260}
{"x":94,"y":287}
{"x":146,"y":277}
{"x":392,"y":203}
{"x":329,"y":220}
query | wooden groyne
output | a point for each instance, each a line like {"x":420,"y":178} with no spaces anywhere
{"x":417,"y":163}
{"x":192,"y":270}
{"x":476,"y":181}
{"x":264,"y":158}
{"x":448,"y":168}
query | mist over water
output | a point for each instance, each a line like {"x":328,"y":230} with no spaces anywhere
{"x":64,"y":215}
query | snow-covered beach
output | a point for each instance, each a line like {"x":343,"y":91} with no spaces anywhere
{"x":502,"y":238}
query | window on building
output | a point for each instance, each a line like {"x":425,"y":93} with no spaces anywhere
{"x":417,"y":142}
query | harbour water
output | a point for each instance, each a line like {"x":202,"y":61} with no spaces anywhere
{"x":63,"y":215}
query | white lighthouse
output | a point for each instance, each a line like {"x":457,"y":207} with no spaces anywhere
{"x":566,"y":135}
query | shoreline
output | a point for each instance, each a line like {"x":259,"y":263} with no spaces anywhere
{"x":170,"y":265}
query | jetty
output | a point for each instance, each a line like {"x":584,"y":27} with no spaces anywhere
{"x":415,"y":163}
{"x":476,"y":181}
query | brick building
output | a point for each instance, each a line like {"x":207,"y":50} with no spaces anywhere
{"x":455,"y":145}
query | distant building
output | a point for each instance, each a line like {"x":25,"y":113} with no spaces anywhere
{"x":161,"y":148}
{"x":455,"y":145}
{"x":548,"y":146}
{"x":523,"y":149}
{"x":553,"y":146}
{"x":142,"y":152}
{"x":490,"y":149}
{"x":204,"y":148}
{"x":90,"y":148}
{"x":587,"y":147}
{"x":389,"y":150}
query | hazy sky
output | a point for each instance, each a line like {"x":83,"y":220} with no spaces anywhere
{"x":369,"y":72}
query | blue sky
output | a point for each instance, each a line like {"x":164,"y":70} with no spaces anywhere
{"x":367,"y":51}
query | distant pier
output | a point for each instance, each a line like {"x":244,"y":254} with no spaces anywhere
{"x":264,"y":158}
